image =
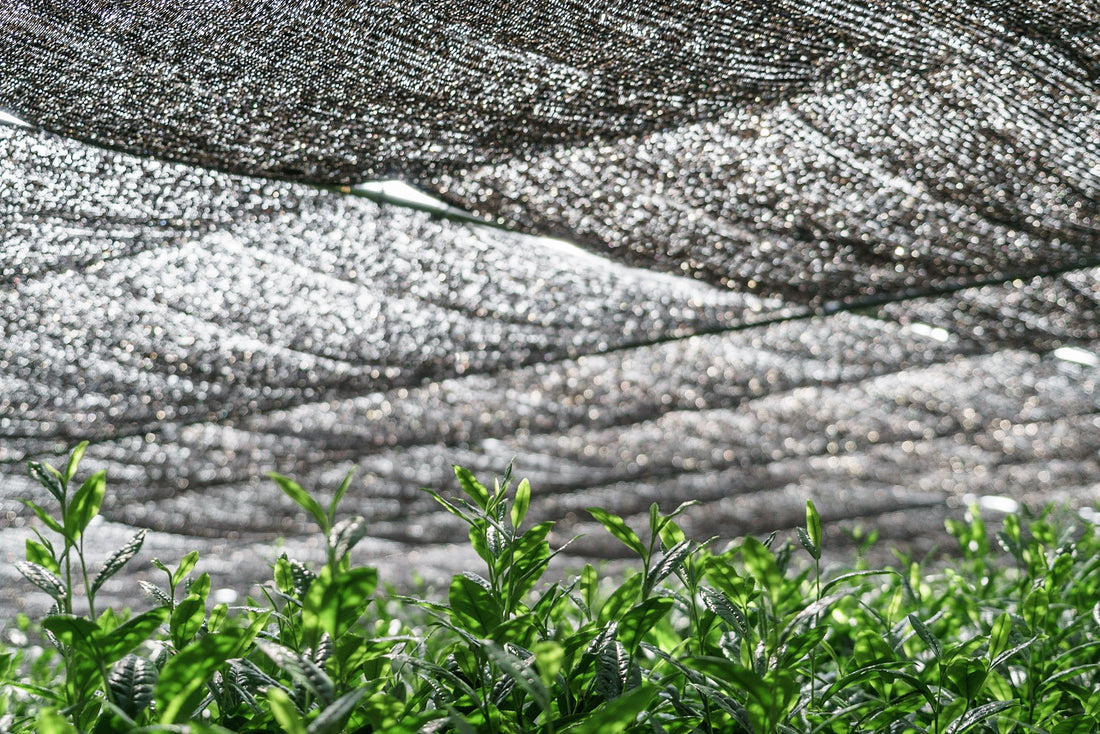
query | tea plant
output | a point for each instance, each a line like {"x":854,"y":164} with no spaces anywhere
{"x":752,"y":638}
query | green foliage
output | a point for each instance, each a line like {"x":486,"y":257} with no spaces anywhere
{"x":748,"y":639}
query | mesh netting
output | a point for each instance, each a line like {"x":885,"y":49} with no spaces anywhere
{"x":831,"y":249}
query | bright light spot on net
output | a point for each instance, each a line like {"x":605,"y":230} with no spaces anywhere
{"x":225,"y":596}
{"x":932,"y":332}
{"x":992,"y":503}
{"x":1088,"y":514}
{"x":1077,"y":356}
{"x":9,"y":119}
{"x":575,"y":254}
{"x":562,"y":247}
{"x":401,"y":193}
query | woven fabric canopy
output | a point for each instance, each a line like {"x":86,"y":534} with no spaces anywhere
{"x":831,"y":249}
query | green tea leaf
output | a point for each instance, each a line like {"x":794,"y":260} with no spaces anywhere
{"x":473,"y":606}
{"x":131,"y":633}
{"x":85,"y":505}
{"x":619,"y":529}
{"x":717,"y":602}
{"x":187,"y":619}
{"x":303,"y":670}
{"x":200,"y":586}
{"x":474,"y":489}
{"x":521,"y":503}
{"x":45,"y":517}
{"x":721,"y":572}
{"x":449,"y":506}
{"x":622,"y":598}
{"x":998,"y":635}
{"x":345,"y":535}
{"x":479,"y":541}
{"x":433,"y":674}
{"x":768,"y":698}
{"x":303,"y":577}
{"x":284,"y":577}
{"x":977,"y":715}
{"x":671,"y":534}
{"x":74,"y":461}
{"x":520,"y":673}
{"x":336,"y":600}
{"x":813,"y":526}
{"x":549,"y":659}
{"x":183,"y":678}
{"x":246,"y":638}
{"x":612,"y":668}
{"x":340,"y":492}
{"x":132,"y":682}
{"x":1082,"y":724}
{"x":590,"y":585}
{"x":660,"y":522}
{"x":1066,"y":673}
{"x":617,"y":714}
{"x":639,"y":620}
{"x":808,"y":544}
{"x":284,"y":711}
{"x":43,"y":579}
{"x":217,"y":617}
{"x":881,"y":671}
{"x":926,"y":634}
{"x":187,"y":565}
{"x":1035,"y":607}
{"x":799,"y":647}
{"x":524,"y":573}
{"x":519,"y":630}
{"x":854,"y":575}
{"x":42,"y":555}
{"x":50,"y":480}
{"x":727,"y":671}
{"x":304,"y":499}
{"x":118,"y":559}
{"x":673,"y":560}
{"x":73,"y":631}
{"x":1009,"y":653}
{"x":728,"y":704}
{"x":332,"y":719}
{"x":760,"y":562}
{"x":967,"y":676}
{"x":533,"y":541}
{"x":51,"y":722}
{"x":155,"y":592}
{"x":1060,"y":570}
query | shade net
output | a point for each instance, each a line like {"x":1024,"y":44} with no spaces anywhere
{"x":847,"y":251}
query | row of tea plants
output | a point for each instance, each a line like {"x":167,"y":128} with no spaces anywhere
{"x":753,"y":638}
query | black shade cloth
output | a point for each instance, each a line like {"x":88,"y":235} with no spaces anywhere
{"x":831,"y":249}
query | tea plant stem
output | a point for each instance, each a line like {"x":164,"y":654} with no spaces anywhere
{"x":511,"y":575}
{"x":106,"y":676}
{"x":87,"y":583}
{"x":68,"y":580}
{"x":1031,"y":688}
{"x":813,"y":652}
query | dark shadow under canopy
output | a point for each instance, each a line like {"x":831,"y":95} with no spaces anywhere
{"x":830,"y":249}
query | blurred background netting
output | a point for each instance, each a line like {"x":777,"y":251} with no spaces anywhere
{"x":747,"y":253}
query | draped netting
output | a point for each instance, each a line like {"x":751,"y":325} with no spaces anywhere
{"x":829,"y":249}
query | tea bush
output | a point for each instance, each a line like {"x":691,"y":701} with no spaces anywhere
{"x":747,"y":639}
